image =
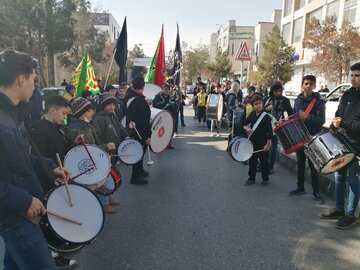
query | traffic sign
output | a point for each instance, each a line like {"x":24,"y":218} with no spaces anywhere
{"x":243,"y":53}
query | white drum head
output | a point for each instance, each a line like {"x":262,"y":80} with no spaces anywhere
{"x":242,"y":149}
{"x":77,"y":161}
{"x":130,"y":151}
{"x":162,"y":129}
{"x":337,"y":163}
{"x":220,"y":108}
{"x":150,"y":90}
{"x":109,"y":183}
{"x":86,"y":209}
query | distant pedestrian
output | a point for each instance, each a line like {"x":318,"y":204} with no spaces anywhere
{"x":64,"y":83}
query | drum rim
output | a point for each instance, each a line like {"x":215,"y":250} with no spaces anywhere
{"x":116,"y":186}
{"x":243,"y":139}
{"x":172,"y":134}
{"x":286,"y":122}
{"x":102,"y":211}
{"x":343,"y":165}
{"x":95,"y":185}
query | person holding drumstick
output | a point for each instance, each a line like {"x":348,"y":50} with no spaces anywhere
{"x":347,"y":123}
{"x":260,"y":138}
{"x":314,"y":120}
{"x":21,"y":193}
{"x":138,"y":111}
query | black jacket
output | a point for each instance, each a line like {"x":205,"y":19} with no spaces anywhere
{"x":50,"y":139}
{"x":280,"y":105}
{"x":262,"y":133}
{"x":139,"y":112}
{"x":349,"y":111}
{"x":317,"y":114}
{"x":165,"y":102}
{"x":18,"y":180}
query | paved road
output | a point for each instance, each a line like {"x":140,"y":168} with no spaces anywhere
{"x":196,"y":213}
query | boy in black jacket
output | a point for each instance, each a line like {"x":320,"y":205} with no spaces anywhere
{"x":261,"y":140}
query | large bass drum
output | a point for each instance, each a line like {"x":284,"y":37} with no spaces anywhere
{"x":64,"y":236}
{"x":214,"y":107}
{"x":150,"y":90}
{"x":162,"y":129}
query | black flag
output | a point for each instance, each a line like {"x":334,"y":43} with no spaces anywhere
{"x":177,"y":59}
{"x":121,"y":54}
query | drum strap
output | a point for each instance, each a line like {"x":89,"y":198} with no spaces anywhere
{"x":311,"y":105}
{"x":258,"y":121}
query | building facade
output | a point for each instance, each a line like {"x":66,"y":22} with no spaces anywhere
{"x":230,"y":38}
{"x":106,"y":23}
{"x":296,"y":14}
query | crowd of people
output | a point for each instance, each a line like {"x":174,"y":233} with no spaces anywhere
{"x":28,"y":170}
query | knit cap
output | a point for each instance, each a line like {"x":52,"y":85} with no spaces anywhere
{"x":80,"y":105}
{"x":106,"y":98}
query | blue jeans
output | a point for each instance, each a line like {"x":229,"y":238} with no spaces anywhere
{"x":26,"y":248}
{"x":273,"y":151}
{"x":354,"y":184}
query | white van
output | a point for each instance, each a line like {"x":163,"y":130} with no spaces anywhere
{"x":332,"y":103}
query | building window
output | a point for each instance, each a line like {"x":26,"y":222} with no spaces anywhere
{"x":350,"y":11}
{"x":288,"y":7}
{"x":299,"y":4}
{"x":286,"y":33}
{"x":333,"y":9}
{"x":297,"y":32}
{"x":317,"y":14}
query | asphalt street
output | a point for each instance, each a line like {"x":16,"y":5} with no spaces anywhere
{"x":196,"y":213}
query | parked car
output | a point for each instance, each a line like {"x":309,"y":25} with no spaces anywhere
{"x":333,"y":98}
{"x":49,"y":91}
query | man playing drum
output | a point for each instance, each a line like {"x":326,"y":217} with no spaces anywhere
{"x":138,"y":111}
{"x":314,"y":121}
{"x":347,"y":122}
{"x":21,"y":193}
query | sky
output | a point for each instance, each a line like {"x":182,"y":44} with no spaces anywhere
{"x":197,"y":19}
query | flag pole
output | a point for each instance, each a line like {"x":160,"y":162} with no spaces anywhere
{"x":111,"y":63}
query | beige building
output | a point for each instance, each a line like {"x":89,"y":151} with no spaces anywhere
{"x":230,"y":38}
{"x":296,"y":15}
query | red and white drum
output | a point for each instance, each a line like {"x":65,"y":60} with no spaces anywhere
{"x":78,"y":162}
{"x":162,"y":129}
{"x":65,"y":236}
{"x":292,"y":135}
{"x":130,"y":151}
{"x":112,"y":183}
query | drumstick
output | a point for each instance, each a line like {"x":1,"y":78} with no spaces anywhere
{"x":257,"y":151}
{"x":137,"y":132}
{"x":150,"y":162}
{"x":124,"y":155}
{"x":87,"y":151}
{"x":66,"y":184}
{"x":52,"y":213}
{"x":80,"y":174}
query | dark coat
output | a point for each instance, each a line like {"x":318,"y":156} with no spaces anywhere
{"x":262,"y":133}
{"x":280,"y":105}
{"x":138,"y":111}
{"x":317,"y":115}
{"x":349,"y":111}
{"x":18,"y":180}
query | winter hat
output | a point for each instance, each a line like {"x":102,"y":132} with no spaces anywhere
{"x":235,"y":86}
{"x":166,"y":87}
{"x":109,"y":87}
{"x":251,"y":89}
{"x":80,"y":105}
{"x":69,"y":87}
{"x":105,"y":99}
{"x":275,"y":86}
{"x":86,"y":93}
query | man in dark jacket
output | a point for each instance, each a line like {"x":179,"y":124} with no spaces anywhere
{"x":347,"y":122}
{"x":314,"y":120}
{"x":276,"y":105}
{"x":138,"y":111}
{"x":21,"y":193}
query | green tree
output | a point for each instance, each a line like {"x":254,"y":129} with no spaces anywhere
{"x":334,"y":48}
{"x":222,"y":65}
{"x":276,"y":63}
{"x":136,"y":52}
{"x":195,"y":62}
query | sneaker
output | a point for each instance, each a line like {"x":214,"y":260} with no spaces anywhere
{"x":175,"y":135}
{"x":183,"y":125}
{"x":297,"y":191}
{"x":113,"y":201}
{"x":317,"y":197}
{"x":138,"y":181}
{"x":217,"y":135}
{"x":265,"y":183}
{"x":345,"y":222}
{"x":145,"y":174}
{"x":333,"y":213}
{"x":109,"y":209}
{"x":63,"y":263}
{"x":249,"y":182}
{"x":213,"y":135}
